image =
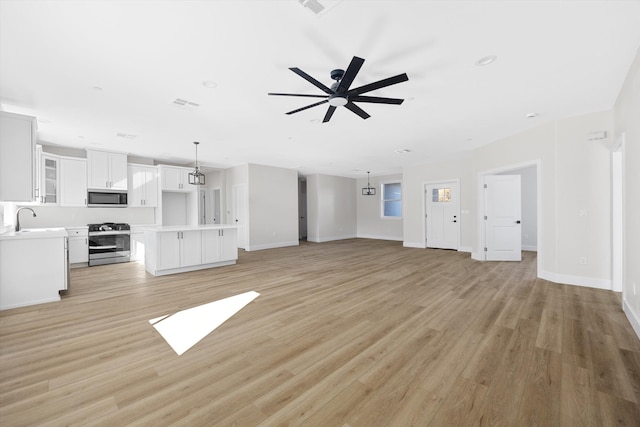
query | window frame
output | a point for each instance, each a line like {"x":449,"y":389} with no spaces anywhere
{"x":383,"y":200}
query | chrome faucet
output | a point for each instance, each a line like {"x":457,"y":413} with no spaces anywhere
{"x":18,"y":216}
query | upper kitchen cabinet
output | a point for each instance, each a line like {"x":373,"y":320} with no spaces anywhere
{"x":143,"y":186}
{"x":49,"y":188}
{"x":106,"y":171}
{"x":73,"y":182}
{"x":174,"y":178}
{"x":17,"y":159}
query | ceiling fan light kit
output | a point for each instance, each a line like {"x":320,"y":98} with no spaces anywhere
{"x":339,"y":94}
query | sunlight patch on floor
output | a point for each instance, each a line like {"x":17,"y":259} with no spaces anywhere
{"x":184,"y":329}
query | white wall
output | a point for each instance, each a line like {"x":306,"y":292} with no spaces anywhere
{"x":273,"y":207}
{"x":575,"y":187}
{"x":627,"y":122}
{"x":331,"y":208}
{"x":413,"y":180}
{"x":370,"y":223}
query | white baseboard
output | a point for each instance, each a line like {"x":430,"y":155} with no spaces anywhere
{"x":414,"y":245}
{"x":331,"y":238}
{"x":567,"y":279}
{"x":468,"y":249}
{"x":633,"y":317}
{"x":530,"y":248}
{"x":379,"y":237}
{"x":272,"y":246}
{"x":478,"y":256}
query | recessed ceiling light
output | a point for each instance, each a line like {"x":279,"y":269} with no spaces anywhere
{"x":411,"y":98}
{"x":486,"y":60}
{"x":210,"y":84}
{"x":315,"y":120}
{"x":403,"y":151}
{"x":531,"y":115}
{"x":96,"y":88}
{"x":80,"y":136}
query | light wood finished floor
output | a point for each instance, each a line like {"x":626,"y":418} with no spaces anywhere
{"x":349,"y":333}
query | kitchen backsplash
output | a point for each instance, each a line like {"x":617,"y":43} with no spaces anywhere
{"x":55,"y":216}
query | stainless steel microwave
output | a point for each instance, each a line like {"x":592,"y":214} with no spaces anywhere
{"x":106,"y":199}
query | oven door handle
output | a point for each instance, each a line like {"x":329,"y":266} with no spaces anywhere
{"x":103,"y":247}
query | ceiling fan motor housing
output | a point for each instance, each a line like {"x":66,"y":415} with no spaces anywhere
{"x":337,"y":74}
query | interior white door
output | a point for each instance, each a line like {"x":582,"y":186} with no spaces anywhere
{"x":503,"y":239}
{"x":442,"y":208}
{"x":239,"y":213}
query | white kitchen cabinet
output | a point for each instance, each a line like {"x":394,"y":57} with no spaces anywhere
{"x":106,"y":171}
{"x":73,"y":182}
{"x":49,"y":179}
{"x":143,"y":186}
{"x":33,"y":267}
{"x":178,"y":249}
{"x":175,"y":178}
{"x":219,"y":245}
{"x":78,"y":245}
{"x":17,"y":157}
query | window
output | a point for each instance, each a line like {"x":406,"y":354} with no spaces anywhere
{"x":441,"y":195}
{"x":392,"y":200}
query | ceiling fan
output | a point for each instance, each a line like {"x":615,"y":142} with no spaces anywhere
{"x":339,"y":93}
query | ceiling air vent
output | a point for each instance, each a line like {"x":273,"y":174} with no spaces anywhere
{"x":318,"y":8}
{"x":126,"y":135}
{"x":185,"y":105}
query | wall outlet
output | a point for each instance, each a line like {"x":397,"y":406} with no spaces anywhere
{"x":583,"y":260}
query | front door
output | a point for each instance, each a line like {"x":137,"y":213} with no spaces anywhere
{"x":442,"y":215}
{"x":503,"y":239}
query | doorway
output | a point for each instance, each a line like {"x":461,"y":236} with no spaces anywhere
{"x":617,"y":215}
{"x":239,"y":212}
{"x":302,"y":209}
{"x":530,"y":211}
{"x":442,"y":215}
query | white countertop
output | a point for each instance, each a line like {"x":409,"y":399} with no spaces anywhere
{"x":35,"y":233}
{"x":166,"y":228}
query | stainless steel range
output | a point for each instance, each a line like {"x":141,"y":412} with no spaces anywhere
{"x":109,"y":243}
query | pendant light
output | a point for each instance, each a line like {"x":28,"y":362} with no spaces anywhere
{"x":368,"y":190}
{"x":196,"y":177}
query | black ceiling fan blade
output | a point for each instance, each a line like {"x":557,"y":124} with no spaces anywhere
{"x":359,"y":111}
{"x":311,"y":80}
{"x":350,"y":74}
{"x":298,"y":94}
{"x":376,"y":99}
{"x":308,"y":106}
{"x":330,"y":112}
{"x":379,"y":84}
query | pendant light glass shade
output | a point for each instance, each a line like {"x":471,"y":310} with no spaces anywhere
{"x":196,"y":177}
{"x":368,"y":190}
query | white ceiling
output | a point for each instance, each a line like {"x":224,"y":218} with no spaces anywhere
{"x":92,"y":69}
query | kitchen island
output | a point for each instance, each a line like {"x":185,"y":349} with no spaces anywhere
{"x":177,"y":249}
